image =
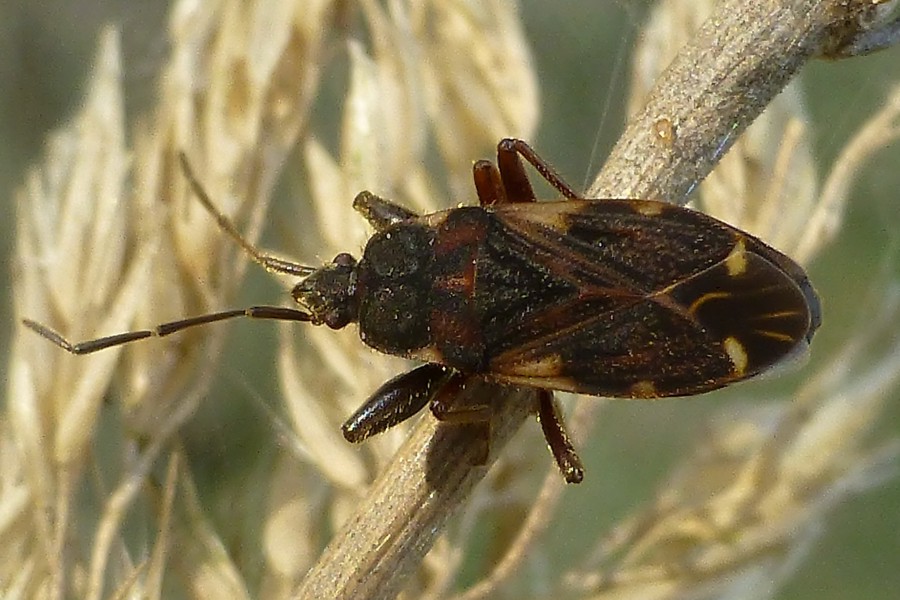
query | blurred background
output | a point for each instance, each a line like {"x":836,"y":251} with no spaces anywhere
{"x":581,"y":50}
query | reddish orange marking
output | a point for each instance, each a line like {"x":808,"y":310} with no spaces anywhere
{"x":453,"y":235}
{"x":463,"y":283}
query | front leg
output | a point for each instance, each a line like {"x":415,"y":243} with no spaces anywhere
{"x":396,"y":401}
{"x":380,"y":213}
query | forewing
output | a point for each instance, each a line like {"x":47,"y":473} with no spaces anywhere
{"x":645,"y":300}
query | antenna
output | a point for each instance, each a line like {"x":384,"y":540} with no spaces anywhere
{"x":269,"y":262}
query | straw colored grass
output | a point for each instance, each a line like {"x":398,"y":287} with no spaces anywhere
{"x":108,"y":238}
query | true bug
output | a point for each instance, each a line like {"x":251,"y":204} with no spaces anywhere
{"x":622,"y":298}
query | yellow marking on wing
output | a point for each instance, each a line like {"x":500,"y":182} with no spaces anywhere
{"x":648,"y":208}
{"x":564,"y":384}
{"x":737,"y":354}
{"x":545,"y":366}
{"x":548,"y":214}
{"x":643,"y":389}
{"x":736,"y":261}
{"x":692,"y":309}
{"x":775,"y":335}
{"x":780,"y":315}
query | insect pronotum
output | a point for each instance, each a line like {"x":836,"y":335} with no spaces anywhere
{"x":621,"y":298}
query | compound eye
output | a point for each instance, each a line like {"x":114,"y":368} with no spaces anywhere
{"x":339,"y":316}
{"x":344,"y":260}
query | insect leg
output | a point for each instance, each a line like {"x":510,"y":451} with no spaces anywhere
{"x":268,"y":262}
{"x":555,"y":433}
{"x":513,"y":177}
{"x":446,"y":408}
{"x":488,"y":183}
{"x":395,"y":401}
{"x":512,"y":171}
{"x":256,"y":312}
{"x":379,"y":212}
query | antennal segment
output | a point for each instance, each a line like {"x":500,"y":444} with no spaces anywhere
{"x":269,"y":262}
{"x":279,"y":313}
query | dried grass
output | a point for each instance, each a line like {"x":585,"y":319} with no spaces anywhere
{"x":109,"y":238}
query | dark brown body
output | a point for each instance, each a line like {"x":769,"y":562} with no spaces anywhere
{"x":585,"y":296}
{"x":626,"y":298}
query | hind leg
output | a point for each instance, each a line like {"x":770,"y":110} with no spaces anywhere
{"x":507,"y":181}
{"x":555,"y":433}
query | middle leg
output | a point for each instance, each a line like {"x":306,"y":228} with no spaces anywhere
{"x":446,"y":408}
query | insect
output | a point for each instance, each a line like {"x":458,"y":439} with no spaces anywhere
{"x":620,"y":298}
